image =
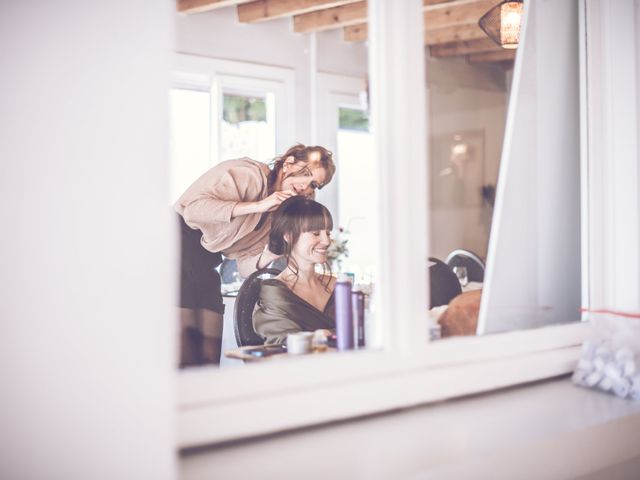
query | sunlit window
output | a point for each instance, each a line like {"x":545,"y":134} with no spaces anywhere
{"x":190,"y":138}
{"x":357,"y":188}
{"x":247,"y":128}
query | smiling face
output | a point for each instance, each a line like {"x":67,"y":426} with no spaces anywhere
{"x":312,"y":247}
{"x":303,"y":178}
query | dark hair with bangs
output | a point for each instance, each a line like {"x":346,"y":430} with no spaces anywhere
{"x":293,"y":217}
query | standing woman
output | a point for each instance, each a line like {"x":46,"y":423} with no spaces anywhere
{"x":227,"y":211}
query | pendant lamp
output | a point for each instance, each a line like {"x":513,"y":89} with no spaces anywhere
{"x":502,"y":23}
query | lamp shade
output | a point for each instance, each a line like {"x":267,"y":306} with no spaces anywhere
{"x":502,"y":23}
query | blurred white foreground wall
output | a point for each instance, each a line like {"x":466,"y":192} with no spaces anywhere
{"x":86,"y":349}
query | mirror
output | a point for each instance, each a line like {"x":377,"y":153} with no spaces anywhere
{"x":505,"y":153}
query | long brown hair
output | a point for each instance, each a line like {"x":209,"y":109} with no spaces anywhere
{"x":300,"y":154}
{"x":293,"y":217}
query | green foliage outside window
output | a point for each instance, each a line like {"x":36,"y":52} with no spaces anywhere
{"x":352,"y":119}
{"x":238,"y":108}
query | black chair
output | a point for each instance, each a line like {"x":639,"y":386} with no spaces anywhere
{"x":443,"y":283}
{"x":469,"y":260}
{"x":245,"y":302}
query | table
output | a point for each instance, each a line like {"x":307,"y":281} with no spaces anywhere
{"x":247,"y":354}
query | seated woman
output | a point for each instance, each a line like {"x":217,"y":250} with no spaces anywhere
{"x":298,"y":299}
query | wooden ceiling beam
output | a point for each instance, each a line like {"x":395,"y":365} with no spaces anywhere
{"x":360,"y":31}
{"x":460,"y":12}
{"x":197,"y":6}
{"x":262,"y":10}
{"x":464,"y":48}
{"x":355,"y":33}
{"x":500,"y":56}
{"x":456,"y":33}
{"x":439,"y":36}
{"x":446,"y":21}
{"x":426,"y":3}
{"x":331,"y":18}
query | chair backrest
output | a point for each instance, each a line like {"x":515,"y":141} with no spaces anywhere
{"x":245,"y":302}
{"x":469,"y":260}
{"x":443,"y":283}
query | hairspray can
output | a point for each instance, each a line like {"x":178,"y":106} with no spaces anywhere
{"x":344,"y":313}
{"x":357,"y":304}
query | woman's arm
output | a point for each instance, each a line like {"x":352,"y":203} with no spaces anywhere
{"x":228,"y":190}
{"x":267,"y":204}
{"x":273,"y":328}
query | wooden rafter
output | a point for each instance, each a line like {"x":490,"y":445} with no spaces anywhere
{"x":330,"y":18}
{"x":456,"y":33}
{"x":261,"y":10}
{"x":451,"y":26}
{"x":197,"y":6}
{"x":461,"y":12}
{"x":500,"y":56}
{"x":355,"y":33}
{"x":426,"y":3}
{"x":464,"y":48}
{"x":445,"y":22}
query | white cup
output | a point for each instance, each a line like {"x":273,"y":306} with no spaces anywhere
{"x":299,"y":343}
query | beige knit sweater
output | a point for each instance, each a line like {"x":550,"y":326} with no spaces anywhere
{"x":207,"y":205}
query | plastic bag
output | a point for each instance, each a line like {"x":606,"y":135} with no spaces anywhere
{"x":610,"y":359}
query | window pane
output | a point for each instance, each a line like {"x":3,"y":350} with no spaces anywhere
{"x":352,"y":119}
{"x":247,"y":128}
{"x":239,"y":109}
{"x":355,"y":151}
{"x":190,"y":133}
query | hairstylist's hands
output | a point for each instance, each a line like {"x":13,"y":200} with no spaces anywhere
{"x":267,"y":204}
{"x":272,"y":202}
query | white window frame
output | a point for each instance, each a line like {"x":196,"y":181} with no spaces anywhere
{"x":217,"y":406}
{"x":216,"y":75}
{"x":333,"y":91}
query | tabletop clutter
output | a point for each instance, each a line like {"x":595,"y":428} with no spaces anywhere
{"x":610,"y":358}
{"x":351,"y":304}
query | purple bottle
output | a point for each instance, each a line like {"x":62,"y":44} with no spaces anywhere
{"x":344,"y":313}
{"x":357,"y":303}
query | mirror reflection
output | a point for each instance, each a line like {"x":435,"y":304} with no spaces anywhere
{"x":505,"y":204}
{"x":468,"y":86}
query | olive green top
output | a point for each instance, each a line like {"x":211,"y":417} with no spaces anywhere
{"x":279,"y":312}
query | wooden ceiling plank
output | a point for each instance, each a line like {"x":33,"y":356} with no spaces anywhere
{"x":426,"y":3}
{"x":500,"y":56}
{"x":331,"y":18}
{"x":197,"y":6}
{"x":457,"y":33}
{"x":446,"y":21}
{"x":456,"y":13}
{"x":464,"y":47}
{"x":261,"y":10}
{"x":356,"y":33}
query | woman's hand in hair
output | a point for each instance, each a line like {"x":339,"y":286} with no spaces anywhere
{"x":267,"y":204}
{"x":273,"y":201}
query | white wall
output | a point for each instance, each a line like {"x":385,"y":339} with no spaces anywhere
{"x":465,"y":98}
{"x":86,"y":353}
